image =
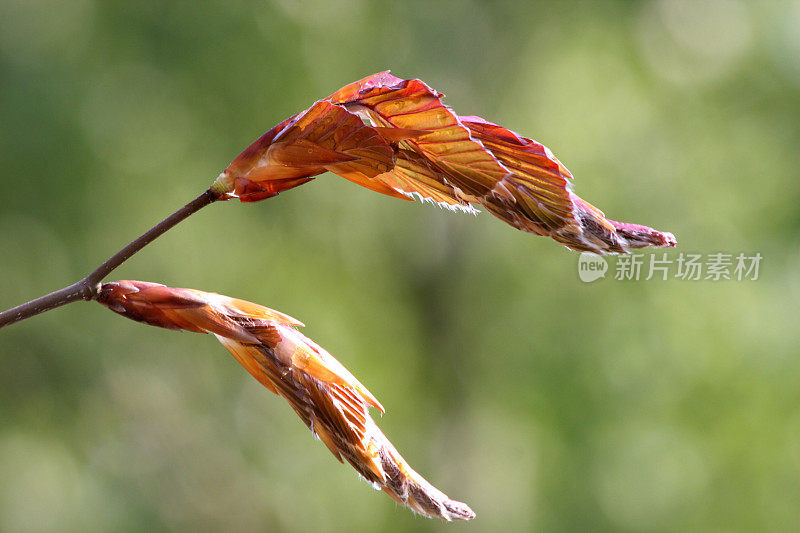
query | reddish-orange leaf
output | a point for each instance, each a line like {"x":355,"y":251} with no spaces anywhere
{"x":326,"y":396}
{"x":323,"y":137}
{"x":413,"y":144}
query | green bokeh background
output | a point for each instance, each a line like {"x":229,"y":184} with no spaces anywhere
{"x":546,"y":403}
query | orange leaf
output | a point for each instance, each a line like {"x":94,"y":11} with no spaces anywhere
{"x":324,"y":394}
{"x":413,"y":144}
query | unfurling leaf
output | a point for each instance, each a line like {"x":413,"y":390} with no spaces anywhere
{"x":326,"y":396}
{"x":396,"y":137}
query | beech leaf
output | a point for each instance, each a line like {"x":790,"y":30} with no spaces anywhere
{"x":396,"y":137}
{"x":327,"y":397}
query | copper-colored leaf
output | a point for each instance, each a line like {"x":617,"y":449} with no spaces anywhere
{"x":414,"y":145}
{"x":323,"y":137}
{"x":326,"y":396}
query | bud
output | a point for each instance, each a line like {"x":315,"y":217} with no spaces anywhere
{"x":326,"y":396}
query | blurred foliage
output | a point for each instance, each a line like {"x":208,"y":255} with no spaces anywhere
{"x":545,"y":403}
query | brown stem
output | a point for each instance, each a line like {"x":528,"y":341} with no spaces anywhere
{"x":89,"y":287}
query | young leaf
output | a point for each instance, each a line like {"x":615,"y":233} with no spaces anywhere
{"x":396,"y":137}
{"x":326,"y":396}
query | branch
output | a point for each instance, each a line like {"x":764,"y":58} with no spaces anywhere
{"x":89,"y":287}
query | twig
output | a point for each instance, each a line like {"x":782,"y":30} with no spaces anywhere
{"x":89,"y":287}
